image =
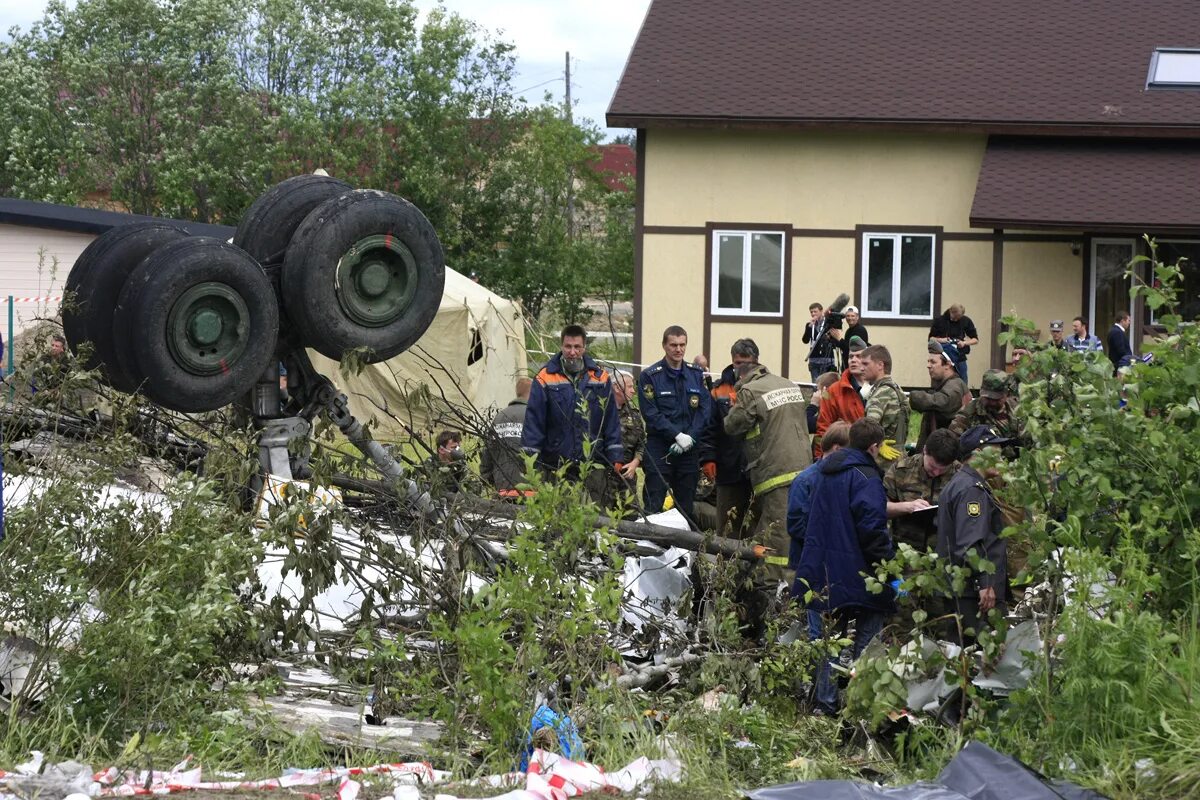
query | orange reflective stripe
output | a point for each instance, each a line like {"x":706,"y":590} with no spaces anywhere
{"x":545,"y":377}
{"x":724,"y":390}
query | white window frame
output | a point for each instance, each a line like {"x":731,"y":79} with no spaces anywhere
{"x":1152,"y":81}
{"x":744,"y":311}
{"x":863,"y":289}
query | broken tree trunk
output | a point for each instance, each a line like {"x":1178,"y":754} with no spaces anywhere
{"x":638,"y":531}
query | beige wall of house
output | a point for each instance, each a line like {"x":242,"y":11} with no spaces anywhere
{"x":35,"y":262}
{"x":811,"y":180}
{"x":672,"y":292}
{"x":1042,"y":282}
{"x":768,"y":337}
{"x":829,"y":183}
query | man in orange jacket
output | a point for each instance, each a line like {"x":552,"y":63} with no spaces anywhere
{"x":842,"y":400}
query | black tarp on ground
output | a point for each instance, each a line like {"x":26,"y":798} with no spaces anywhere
{"x":977,"y":773}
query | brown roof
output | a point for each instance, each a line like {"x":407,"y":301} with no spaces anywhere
{"x":1139,"y":186}
{"x":1018,"y":66}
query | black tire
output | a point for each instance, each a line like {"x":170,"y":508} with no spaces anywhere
{"x":94,"y":286}
{"x":200,"y":321}
{"x":268,"y":225}
{"x":364,"y":269}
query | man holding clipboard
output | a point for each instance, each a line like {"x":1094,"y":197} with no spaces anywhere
{"x":913,"y":484}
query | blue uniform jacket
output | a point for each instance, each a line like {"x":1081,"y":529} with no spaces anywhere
{"x":847,"y":534}
{"x":674,"y":402}
{"x":557,"y":422}
{"x":799,"y":503}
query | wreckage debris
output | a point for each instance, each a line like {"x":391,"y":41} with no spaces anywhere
{"x":977,"y":773}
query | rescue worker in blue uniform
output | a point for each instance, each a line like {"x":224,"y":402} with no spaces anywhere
{"x":572,"y":402}
{"x":676,"y":406}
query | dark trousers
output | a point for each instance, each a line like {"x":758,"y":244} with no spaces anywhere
{"x":678,"y":473}
{"x":963,"y":628}
{"x":595,"y":484}
{"x":868,"y":624}
{"x":733,"y":501}
{"x":819,"y":366}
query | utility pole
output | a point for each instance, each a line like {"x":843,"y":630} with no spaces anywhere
{"x":570,"y":171}
{"x":567,"y":98}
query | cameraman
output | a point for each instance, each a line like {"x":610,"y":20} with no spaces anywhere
{"x":955,"y":332}
{"x":821,"y":340}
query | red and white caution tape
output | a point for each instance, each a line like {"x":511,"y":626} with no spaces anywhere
{"x":550,"y":777}
{"x":5,"y":298}
{"x":184,"y":778}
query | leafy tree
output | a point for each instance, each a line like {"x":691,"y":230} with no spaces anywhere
{"x":191,"y":108}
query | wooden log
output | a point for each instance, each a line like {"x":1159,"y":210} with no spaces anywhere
{"x":659,"y":534}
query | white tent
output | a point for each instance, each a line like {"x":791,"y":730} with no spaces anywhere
{"x":466,"y":363}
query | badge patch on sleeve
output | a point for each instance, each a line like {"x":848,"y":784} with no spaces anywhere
{"x":973,"y":509}
{"x":694,"y":401}
{"x":648,"y":391}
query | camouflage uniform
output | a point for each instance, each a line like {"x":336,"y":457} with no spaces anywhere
{"x":1004,"y":422}
{"x":633,"y":440}
{"x":887,"y":405}
{"x":907,"y":480}
{"x":938,"y":405}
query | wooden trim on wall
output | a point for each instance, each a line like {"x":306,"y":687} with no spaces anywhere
{"x":846,"y":233}
{"x":674,"y":230}
{"x":997,"y":349}
{"x":639,"y":239}
{"x":938,"y":237}
{"x":785,"y":320}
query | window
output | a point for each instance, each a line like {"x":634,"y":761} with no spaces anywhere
{"x":1174,"y":68}
{"x":1171,"y":251}
{"x":747,"y":273}
{"x":897,"y":275}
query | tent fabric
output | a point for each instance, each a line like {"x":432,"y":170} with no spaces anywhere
{"x":466,"y":364}
{"x":977,"y":772}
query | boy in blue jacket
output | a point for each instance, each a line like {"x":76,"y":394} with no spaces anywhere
{"x":846,"y":536}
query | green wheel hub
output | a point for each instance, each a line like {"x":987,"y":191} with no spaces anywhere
{"x":376,"y":280}
{"x":208,"y":328}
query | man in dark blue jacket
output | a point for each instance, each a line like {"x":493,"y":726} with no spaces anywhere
{"x":571,"y":403}
{"x":722,"y":457}
{"x":676,"y":406}
{"x":847,"y":536}
{"x":1119,"y":351}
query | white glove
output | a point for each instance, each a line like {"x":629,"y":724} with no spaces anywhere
{"x":684,"y":441}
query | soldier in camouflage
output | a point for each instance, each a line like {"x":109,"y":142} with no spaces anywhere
{"x":913,"y":485}
{"x":943,"y":399}
{"x":996,"y":408}
{"x":621,"y":487}
{"x":886,"y":404}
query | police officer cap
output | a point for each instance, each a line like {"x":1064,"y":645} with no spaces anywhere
{"x":935,"y":349}
{"x":977,"y":437}
{"x":1056,"y":324}
{"x":857,"y":344}
{"x":994,"y":385}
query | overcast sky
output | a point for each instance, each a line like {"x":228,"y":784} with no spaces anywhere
{"x":597,"y":33}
